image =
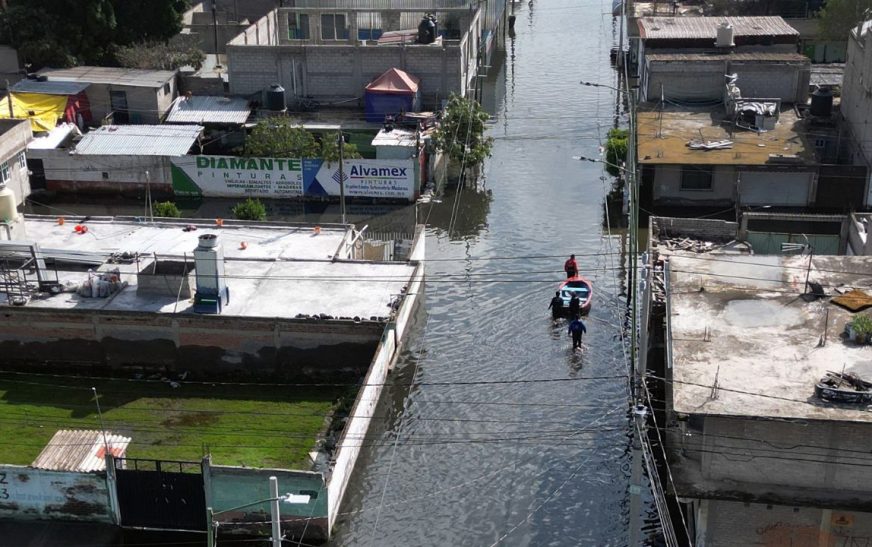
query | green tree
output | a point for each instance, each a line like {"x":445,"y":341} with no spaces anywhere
{"x":62,"y":33}
{"x":250,"y":209}
{"x":278,"y":138}
{"x":148,"y":20}
{"x":616,"y":150}
{"x":330,"y":148}
{"x":170,"y":55}
{"x":838,"y":17}
{"x":59,"y":32}
{"x":461,"y":132}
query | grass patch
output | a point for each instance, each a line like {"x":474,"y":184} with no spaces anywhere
{"x":256,"y":426}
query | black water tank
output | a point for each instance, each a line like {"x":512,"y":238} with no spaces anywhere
{"x":822,"y":102}
{"x":427,"y":30}
{"x":275,"y":98}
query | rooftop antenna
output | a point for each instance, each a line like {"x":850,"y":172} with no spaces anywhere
{"x":102,"y":424}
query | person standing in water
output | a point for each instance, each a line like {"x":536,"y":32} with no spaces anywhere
{"x":556,"y":306}
{"x":576,"y":330}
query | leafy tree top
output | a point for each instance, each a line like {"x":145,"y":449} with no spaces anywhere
{"x":838,"y":17}
{"x":279,"y":138}
{"x":461,"y":131}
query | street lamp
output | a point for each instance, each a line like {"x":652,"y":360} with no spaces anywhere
{"x":594,"y":84}
{"x":598,"y":160}
{"x":275,"y":513}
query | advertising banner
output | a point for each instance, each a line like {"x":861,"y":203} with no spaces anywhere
{"x":230,"y":176}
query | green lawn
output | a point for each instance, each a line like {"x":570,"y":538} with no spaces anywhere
{"x":256,"y":426}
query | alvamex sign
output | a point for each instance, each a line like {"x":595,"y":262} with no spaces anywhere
{"x":228,"y":176}
{"x":363,"y":172}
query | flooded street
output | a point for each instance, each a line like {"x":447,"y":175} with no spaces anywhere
{"x":507,"y":436}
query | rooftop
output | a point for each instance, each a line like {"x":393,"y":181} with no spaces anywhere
{"x":763,"y":347}
{"x":734,"y":56}
{"x":282,"y":271}
{"x":202,"y":109}
{"x":139,"y":140}
{"x":666,"y":142}
{"x":694,"y":28}
{"x":396,"y":137}
{"x":131,"y":77}
{"x":49,"y":88}
{"x":80,"y":450}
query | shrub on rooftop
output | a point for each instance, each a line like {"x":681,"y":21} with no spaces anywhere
{"x":861,"y":326}
{"x":165,"y":209}
{"x":616,"y":150}
{"x":250,"y":209}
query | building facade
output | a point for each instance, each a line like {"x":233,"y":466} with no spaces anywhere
{"x":330,"y":55}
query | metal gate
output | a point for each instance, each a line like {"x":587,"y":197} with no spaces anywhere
{"x":161,"y":494}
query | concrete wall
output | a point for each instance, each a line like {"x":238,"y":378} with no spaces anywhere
{"x":776,"y":461}
{"x":208,"y":346}
{"x":72,"y":173}
{"x":27,"y":493}
{"x":704,"y":80}
{"x":859,"y":242}
{"x":855,"y":104}
{"x":339,"y":72}
{"x":349,"y":445}
{"x":728,"y":523}
{"x":699,"y":228}
{"x":13,"y":140}
{"x":667,"y":187}
{"x":229,"y":487}
{"x":145,"y":105}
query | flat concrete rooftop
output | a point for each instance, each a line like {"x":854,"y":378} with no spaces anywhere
{"x":284,"y":271}
{"x":665,"y":142}
{"x":762,"y":337}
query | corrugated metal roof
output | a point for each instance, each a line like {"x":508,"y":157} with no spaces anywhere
{"x":49,"y":88}
{"x":139,"y":140}
{"x":672,"y":28}
{"x":732,"y":56}
{"x":209,"y":109}
{"x":132,"y":77}
{"x":827,"y":75}
{"x":80,"y":450}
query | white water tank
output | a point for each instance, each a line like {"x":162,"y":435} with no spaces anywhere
{"x":725,"y":35}
{"x":8,"y":206}
{"x":209,"y":265}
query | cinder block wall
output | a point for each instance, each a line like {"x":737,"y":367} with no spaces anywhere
{"x":340,"y":72}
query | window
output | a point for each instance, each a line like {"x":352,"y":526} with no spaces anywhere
{"x":105,"y":175}
{"x":696,"y":177}
{"x":166,"y":88}
{"x":298,"y":26}
{"x":22,"y":161}
{"x":820,"y":143}
{"x":4,"y":172}
{"x":333,"y":26}
{"x":368,"y":26}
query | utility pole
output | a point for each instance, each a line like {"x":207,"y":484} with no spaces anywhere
{"x":341,"y":144}
{"x":274,"y":512}
{"x":210,"y":527}
{"x":640,"y":412}
{"x":9,"y":98}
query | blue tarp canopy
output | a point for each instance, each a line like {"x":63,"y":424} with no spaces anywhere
{"x":393,"y":92}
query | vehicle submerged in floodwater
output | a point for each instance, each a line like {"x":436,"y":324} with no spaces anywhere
{"x":579,"y":286}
